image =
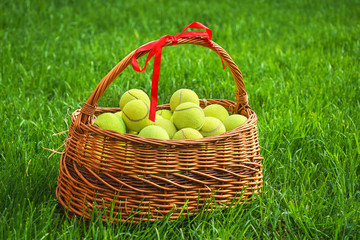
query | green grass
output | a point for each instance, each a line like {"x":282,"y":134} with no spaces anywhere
{"x":300,"y":61}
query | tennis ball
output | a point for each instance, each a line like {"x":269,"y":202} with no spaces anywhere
{"x":136,"y":115}
{"x":110,"y":121}
{"x":167,"y":125}
{"x":187,"y":133}
{"x":212,"y":126}
{"x":119,"y":113}
{"x":164,"y":113}
{"x":132,"y":132}
{"x":217,"y":111}
{"x":133,"y":94}
{"x":154,"y":131}
{"x":234,"y":121}
{"x":182,"y":96}
{"x":157,"y":116}
{"x":188,"y":115}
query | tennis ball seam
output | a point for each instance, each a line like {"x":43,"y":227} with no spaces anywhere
{"x":213,"y":130}
{"x":186,"y":109}
{"x":141,"y":118}
{"x":182,"y":132}
{"x":132,"y":95}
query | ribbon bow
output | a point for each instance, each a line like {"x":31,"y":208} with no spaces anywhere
{"x":155,"y":48}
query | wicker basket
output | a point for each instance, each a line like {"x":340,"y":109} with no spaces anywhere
{"x":145,"y":178}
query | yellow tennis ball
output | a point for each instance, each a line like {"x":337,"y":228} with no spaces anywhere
{"x":167,"y":125}
{"x":217,"y":111}
{"x":133,"y":94}
{"x":132,"y":132}
{"x":119,"y":113}
{"x":182,"y":96}
{"x":164,"y":113}
{"x":234,"y":121}
{"x":212,"y":126}
{"x":188,"y":115}
{"x":154,"y":131}
{"x":136,"y":115}
{"x":110,"y":121}
{"x":187,"y":133}
{"x":157,"y":116}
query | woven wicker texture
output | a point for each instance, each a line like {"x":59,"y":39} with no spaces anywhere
{"x":146,"y":178}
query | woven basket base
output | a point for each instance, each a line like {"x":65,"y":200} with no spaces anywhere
{"x":149,"y":202}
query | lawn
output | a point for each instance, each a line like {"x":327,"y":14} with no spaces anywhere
{"x":300,"y":61}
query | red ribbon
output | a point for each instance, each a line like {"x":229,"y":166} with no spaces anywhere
{"x":155,"y":48}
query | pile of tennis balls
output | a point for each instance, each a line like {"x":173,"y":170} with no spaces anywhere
{"x":185,"y":119}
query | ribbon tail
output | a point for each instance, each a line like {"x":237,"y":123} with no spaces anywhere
{"x":155,"y":85}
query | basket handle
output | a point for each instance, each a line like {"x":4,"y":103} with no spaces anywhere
{"x":89,"y":107}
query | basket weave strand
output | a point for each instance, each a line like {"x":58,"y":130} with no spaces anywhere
{"x":146,"y":178}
